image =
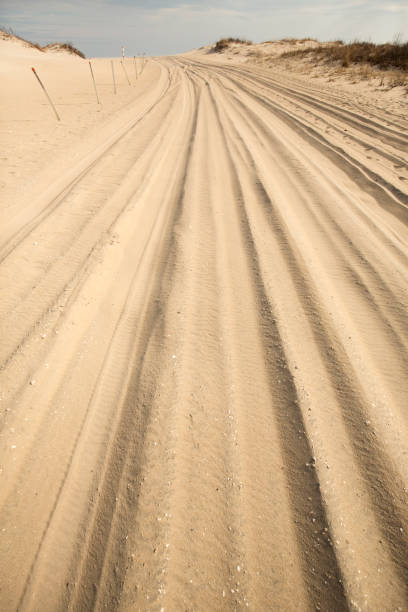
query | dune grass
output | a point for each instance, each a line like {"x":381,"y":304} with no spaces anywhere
{"x":298,"y":40}
{"x":66,"y":46}
{"x":8,"y":33}
{"x":224,"y":43}
{"x":385,"y":56}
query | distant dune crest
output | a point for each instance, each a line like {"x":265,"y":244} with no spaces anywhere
{"x":8,"y":34}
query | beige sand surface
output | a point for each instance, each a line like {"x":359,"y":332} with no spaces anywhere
{"x":366,"y":84}
{"x":204,"y":340}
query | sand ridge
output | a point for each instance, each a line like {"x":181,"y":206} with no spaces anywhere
{"x":204,"y":347}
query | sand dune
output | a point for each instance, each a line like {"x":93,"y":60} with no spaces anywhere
{"x":204,"y":347}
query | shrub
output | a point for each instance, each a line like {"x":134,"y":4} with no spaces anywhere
{"x":224,"y":43}
{"x":67,"y":46}
{"x":388,"y":55}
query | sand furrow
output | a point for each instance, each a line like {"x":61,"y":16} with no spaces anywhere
{"x":340,"y":382}
{"x":84,"y":339}
{"x":42,"y":202}
{"x":198,"y":456}
{"x":337,"y":150}
{"x":351,"y":261}
{"x":86,"y":214}
{"x":322,"y":99}
{"x":368,"y":152}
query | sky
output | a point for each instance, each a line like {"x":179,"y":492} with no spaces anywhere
{"x":99,"y":28}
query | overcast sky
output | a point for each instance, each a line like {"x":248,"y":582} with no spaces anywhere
{"x":158,"y":27}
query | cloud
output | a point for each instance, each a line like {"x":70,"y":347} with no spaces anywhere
{"x":395,"y":8}
{"x":194,"y":11}
{"x":100,"y":27}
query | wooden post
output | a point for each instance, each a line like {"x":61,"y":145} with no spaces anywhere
{"x":126,"y":74}
{"x":46,"y":93}
{"x":135,"y":65}
{"x":113,"y":77}
{"x":93,"y":79}
{"x":123,"y":53}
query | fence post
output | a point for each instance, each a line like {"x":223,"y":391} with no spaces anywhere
{"x":46,"y":93}
{"x":113,"y":77}
{"x":135,"y":65}
{"x":93,"y":79}
{"x":126,"y":74}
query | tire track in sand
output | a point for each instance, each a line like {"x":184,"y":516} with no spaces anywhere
{"x":377,"y":461}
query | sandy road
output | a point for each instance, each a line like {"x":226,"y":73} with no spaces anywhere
{"x":204,"y":358}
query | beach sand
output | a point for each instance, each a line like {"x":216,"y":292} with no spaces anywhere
{"x":204,"y":338}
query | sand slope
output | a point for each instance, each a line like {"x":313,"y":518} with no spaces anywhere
{"x":204,"y":351}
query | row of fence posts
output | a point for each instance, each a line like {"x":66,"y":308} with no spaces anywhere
{"x":122,"y":62}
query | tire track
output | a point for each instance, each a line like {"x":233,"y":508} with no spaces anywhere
{"x":295,"y":447}
{"x":394,"y":184}
{"x":358,"y":426}
{"x":43,"y":286}
{"x":17,"y":234}
{"x":39,"y":442}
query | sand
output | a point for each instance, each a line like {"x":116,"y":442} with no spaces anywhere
{"x":204,"y":339}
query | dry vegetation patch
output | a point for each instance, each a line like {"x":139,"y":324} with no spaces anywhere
{"x":224,"y":43}
{"x":67,"y":46}
{"x":9,"y":34}
{"x":358,"y":61}
{"x":385,"y":64}
{"x":388,"y":56}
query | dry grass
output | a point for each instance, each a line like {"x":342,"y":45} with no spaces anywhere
{"x":385,"y":56}
{"x":67,"y":46}
{"x":295,"y":41}
{"x":224,"y":43}
{"x":255,"y":53}
{"x":9,"y":34}
{"x":360,"y":61}
{"x":291,"y":41}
